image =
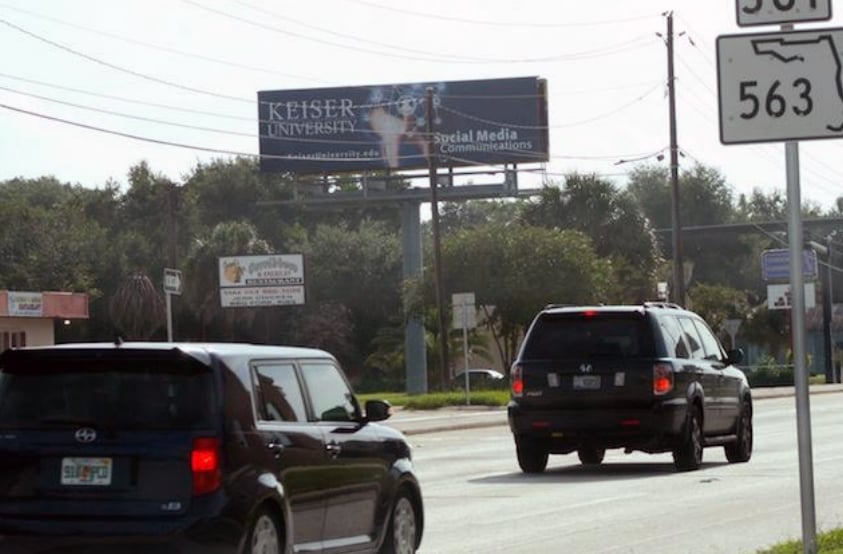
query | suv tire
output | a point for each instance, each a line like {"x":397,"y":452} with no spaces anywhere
{"x":401,"y":534}
{"x":591,"y":455}
{"x":264,"y":535}
{"x":741,"y":450}
{"x":688,"y":455}
{"x":532,"y":458}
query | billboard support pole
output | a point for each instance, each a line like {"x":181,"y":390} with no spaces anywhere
{"x":437,"y":248}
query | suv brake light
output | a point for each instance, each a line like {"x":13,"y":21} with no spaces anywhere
{"x":516,"y":378}
{"x":662,"y":379}
{"x":205,"y":465}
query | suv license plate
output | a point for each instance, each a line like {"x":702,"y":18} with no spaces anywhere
{"x":586,"y":382}
{"x":86,"y":471}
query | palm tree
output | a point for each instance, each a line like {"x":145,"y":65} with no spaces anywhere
{"x":137,"y":308}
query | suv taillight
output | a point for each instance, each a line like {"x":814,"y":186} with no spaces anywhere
{"x":205,"y":465}
{"x":516,"y":379}
{"x":662,"y":379}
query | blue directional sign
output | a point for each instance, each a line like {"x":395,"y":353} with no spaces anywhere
{"x":775,"y":264}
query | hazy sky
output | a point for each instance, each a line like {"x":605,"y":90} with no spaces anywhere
{"x":187,"y":71}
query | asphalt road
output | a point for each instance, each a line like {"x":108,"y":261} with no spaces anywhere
{"x":477,"y":500}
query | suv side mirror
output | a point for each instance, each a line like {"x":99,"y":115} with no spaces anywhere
{"x":734,"y":356}
{"x":378,"y":410}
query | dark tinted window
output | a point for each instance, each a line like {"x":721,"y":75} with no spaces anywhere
{"x":280,"y":393}
{"x":673,"y":337}
{"x":692,"y":337}
{"x":329,"y":393}
{"x":125,"y":394}
{"x":711,"y":345}
{"x":589,"y":336}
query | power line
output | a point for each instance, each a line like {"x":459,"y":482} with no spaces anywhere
{"x":160,"y":48}
{"x":555,"y":126}
{"x":119,"y":68}
{"x":189,"y":146}
{"x":608,"y":50}
{"x":470,"y":21}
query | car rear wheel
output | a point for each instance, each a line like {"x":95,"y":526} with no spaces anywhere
{"x":401,"y":535}
{"x":591,"y":455}
{"x":264,"y":536}
{"x":532,"y":457}
{"x":741,"y":450}
{"x":688,"y":455}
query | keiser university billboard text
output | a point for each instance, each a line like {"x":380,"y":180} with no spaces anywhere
{"x":485,"y":122}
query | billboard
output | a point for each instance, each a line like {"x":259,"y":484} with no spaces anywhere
{"x":269,"y":280}
{"x":329,"y":130}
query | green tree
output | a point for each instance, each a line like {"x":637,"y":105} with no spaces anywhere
{"x":358,"y":269}
{"x":514,"y":270}
{"x":614,"y":222}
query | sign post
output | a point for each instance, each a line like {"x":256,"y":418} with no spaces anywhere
{"x":172,"y":285}
{"x":784,"y":87}
{"x":464,"y":311}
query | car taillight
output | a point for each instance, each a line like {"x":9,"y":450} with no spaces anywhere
{"x":662,"y":379}
{"x":205,"y":465}
{"x":516,"y":379}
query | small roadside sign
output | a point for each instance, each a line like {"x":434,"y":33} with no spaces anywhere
{"x":775,"y":87}
{"x":464,"y":310}
{"x":172,"y":281}
{"x":778,"y":296}
{"x":775,"y":12}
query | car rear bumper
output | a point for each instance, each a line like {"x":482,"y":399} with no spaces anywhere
{"x":57,"y":536}
{"x":655,"y":429}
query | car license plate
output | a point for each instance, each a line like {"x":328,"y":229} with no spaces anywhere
{"x":86,"y":471}
{"x":587,"y":382}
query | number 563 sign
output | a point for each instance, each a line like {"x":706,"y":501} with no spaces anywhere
{"x":780,"y":86}
{"x":765,"y":12}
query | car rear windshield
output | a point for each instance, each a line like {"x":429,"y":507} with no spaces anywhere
{"x":118,"y":394}
{"x":567,"y":336}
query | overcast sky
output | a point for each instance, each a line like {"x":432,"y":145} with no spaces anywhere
{"x":187,"y":72}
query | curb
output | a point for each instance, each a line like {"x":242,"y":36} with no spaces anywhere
{"x":456,"y":418}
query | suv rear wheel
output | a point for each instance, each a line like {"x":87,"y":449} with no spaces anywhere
{"x":591,"y":455}
{"x":688,"y":455}
{"x":532,"y":457}
{"x":264,"y":537}
{"x":741,"y":450}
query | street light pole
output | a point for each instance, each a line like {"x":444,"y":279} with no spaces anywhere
{"x":678,"y":270}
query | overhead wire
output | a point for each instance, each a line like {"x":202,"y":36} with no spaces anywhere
{"x":471,"y":21}
{"x":120,"y":68}
{"x":158,"y":47}
{"x":185,"y":145}
{"x":627,"y":45}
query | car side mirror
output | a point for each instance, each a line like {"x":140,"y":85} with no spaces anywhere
{"x":734,"y":356}
{"x":378,"y":410}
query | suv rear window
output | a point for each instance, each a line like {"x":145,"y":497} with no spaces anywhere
{"x":558,"y":336}
{"x":123,"y":393}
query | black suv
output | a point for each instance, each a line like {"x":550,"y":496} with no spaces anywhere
{"x":196,"y":448}
{"x":652,"y":378}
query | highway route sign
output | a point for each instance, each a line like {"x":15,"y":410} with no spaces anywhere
{"x":784,"y":86}
{"x":773,"y":12}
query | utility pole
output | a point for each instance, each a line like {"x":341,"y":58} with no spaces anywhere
{"x":678,"y":269}
{"x":437,"y":249}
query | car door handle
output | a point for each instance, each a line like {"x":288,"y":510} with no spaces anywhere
{"x":276,"y":447}
{"x":333,"y":449}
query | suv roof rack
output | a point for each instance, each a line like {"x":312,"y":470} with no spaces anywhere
{"x":670,"y":305}
{"x":552,"y":306}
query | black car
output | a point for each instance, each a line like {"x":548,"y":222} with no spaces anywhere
{"x":652,"y":378}
{"x":196,"y":448}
